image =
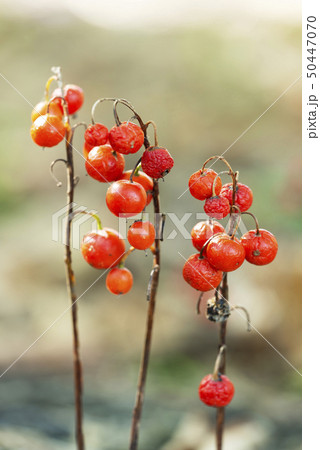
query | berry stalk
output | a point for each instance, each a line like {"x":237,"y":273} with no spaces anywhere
{"x":70,"y":281}
{"x":152,"y":292}
{"x":224,"y":292}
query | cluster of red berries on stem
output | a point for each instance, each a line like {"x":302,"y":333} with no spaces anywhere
{"x":220,"y":252}
{"x":129,"y":194}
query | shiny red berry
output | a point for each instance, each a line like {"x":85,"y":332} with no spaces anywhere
{"x":73,"y":95}
{"x":86,"y":149}
{"x":119,"y":280}
{"x":126,"y":138}
{"x":217,"y":207}
{"x":260,"y":248}
{"x":48,"y":130}
{"x":104,"y":164}
{"x":141,"y":234}
{"x":143,"y":179}
{"x":202,"y":231}
{"x":243,"y":198}
{"x":156,"y":162}
{"x":126,"y":199}
{"x":199,"y":273}
{"x":96,"y":134}
{"x":103,"y":248}
{"x":201,"y":184}
{"x":224,"y":253}
{"x":217,"y":393}
{"x":41,"y":109}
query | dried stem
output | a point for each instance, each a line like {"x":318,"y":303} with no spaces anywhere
{"x":256,"y":221}
{"x":70,"y":280}
{"x":224,"y":291}
{"x":151,"y":294}
{"x":199,"y":302}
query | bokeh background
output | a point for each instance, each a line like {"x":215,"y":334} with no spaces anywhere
{"x":204,"y":71}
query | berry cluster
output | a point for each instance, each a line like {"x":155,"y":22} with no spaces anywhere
{"x":128,"y":195}
{"x":50,"y":116}
{"x":130,"y":192}
{"x":220,"y":252}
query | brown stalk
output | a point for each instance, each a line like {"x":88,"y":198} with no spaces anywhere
{"x":152,"y":291}
{"x":70,"y":281}
{"x":70,"y":278}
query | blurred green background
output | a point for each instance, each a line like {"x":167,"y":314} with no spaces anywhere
{"x":204,"y":82}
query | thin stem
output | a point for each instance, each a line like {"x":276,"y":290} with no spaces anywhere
{"x":105,"y":99}
{"x":95,"y":216}
{"x":224,"y":290}
{"x":219,"y":158}
{"x":70,"y":280}
{"x":199,"y":303}
{"x":256,"y":221}
{"x":246,"y":313}
{"x":135,"y":169}
{"x":224,"y":172}
{"x":48,"y":83}
{"x":151,"y":122}
{"x":219,"y":363}
{"x":125,"y":256}
{"x":151,"y":296}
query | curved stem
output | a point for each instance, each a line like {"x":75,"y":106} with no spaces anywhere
{"x":51,"y":169}
{"x":151,"y":297}
{"x":234,"y":175}
{"x":151,"y":122}
{"x":79,"y":211}
{"x":246,"y":313}
{"x":70,"y":280}
{"x":48,"y":84}
{"x":219,"y":362}
{"x":199,"y":303}
{"x":224,"y":291}
{"x":224,"y":172}
{"x":219,"y":158}
{"x":256,"y":221}
{"x":125,"y":256}
{"x":135,"y":169}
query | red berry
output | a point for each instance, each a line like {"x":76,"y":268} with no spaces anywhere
{"x":48,"y":130}
{"x":41,"y":109}
{"x":119,"y":280}
{"x":201,"y":184}
{"x":126,"y":199}
{"x":73,"y":95}
{"x":202,"y":231}
{"x":217,"y":393}
{"x":103,"y":248}
{"x":243,"y":198}
{"x":96,"y":134}
{"x":104,"y":164}
{"x":156,"y":162}
{"x":86,"y":149}
{"x":141,"y":235}
{"x":126,"y":138}
{"x":260,"y":248}
{"x":224,"y":253}
{"x":217,"y":207}
{"x":143,"y":179}
{"x":200,"y":274}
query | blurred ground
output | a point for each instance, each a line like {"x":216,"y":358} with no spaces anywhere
{"x":203,"y":85}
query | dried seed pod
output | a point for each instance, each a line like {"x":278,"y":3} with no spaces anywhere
{"x":218,"y":310}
